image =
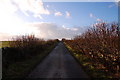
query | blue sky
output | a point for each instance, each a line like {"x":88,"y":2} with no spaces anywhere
{"x":80,"y":13}
{"x":70,"y":18}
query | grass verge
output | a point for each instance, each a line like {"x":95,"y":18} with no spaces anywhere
{"x":86,"y":65}
{"x":4,"y":44}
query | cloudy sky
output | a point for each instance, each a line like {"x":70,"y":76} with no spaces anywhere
{"x":51,"y":20}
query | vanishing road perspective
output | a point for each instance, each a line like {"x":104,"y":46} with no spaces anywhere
{"x":63,"y":39}
{"x":58,"y":64}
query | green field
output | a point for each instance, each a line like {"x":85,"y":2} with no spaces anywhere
{"x":4,"y":44}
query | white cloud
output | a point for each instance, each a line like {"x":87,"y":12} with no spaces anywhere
{"x":91,"y":15}
{"x":38,"y":16}
{"x":99,"y":20}
{"x":52,"y":31}
{"x":44,"y":30}
{"x":47,"y":6}
{"x":7,"y":7}
{"x":94,"y":17}
{"x":13,"y":25}
{"x":36,"y":7}
{"x":67,"y":14}
{"x":4,"y":36}
{"x":58,"y":14}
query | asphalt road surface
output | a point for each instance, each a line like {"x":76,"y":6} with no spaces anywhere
{"x":58,"y":64}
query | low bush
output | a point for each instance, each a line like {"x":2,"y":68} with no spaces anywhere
{"x":101,"y":45}
{"x":24,"y":48}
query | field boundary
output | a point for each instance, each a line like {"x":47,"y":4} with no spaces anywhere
{"x":29,"y":64}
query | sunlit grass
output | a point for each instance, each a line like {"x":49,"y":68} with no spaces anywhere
{"x":4,"y":44}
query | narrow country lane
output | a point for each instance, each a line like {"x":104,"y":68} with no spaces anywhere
{"x":58,"y":64}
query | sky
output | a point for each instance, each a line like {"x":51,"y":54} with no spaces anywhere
{"x":51,"y":20}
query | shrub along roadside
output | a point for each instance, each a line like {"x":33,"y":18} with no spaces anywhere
{"x":86,"y":64}
{"x":19,"y":60}
{"x":100,"y":45}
